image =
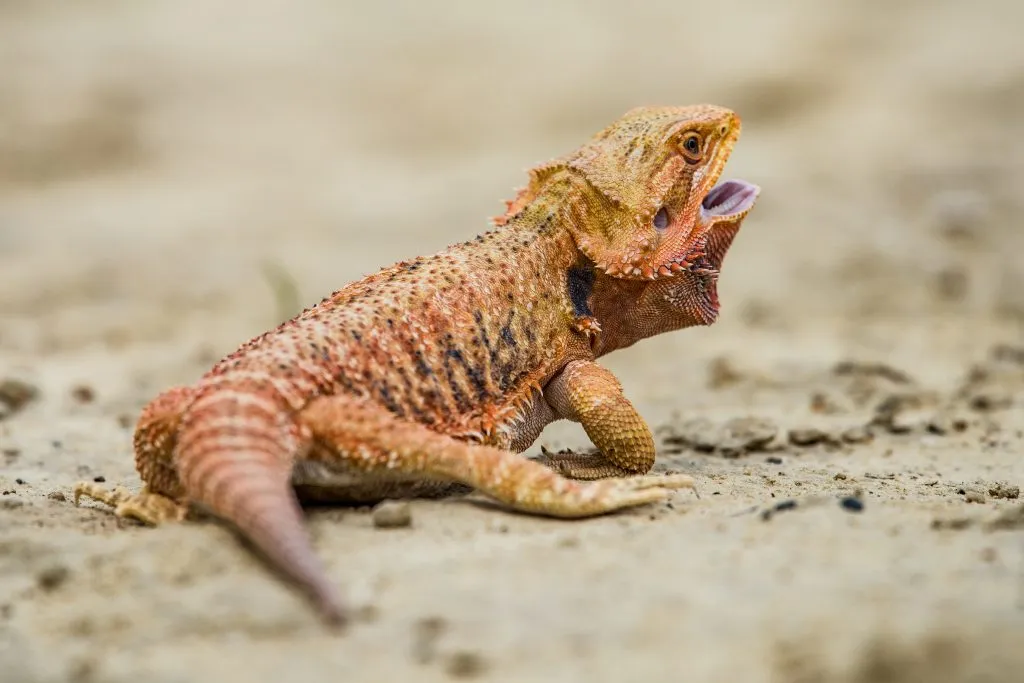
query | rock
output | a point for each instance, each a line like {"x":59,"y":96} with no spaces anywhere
{"x":851,"y":504}
{"x":465,"y":664}
{"x":15,"y":395}
{"x":986,"y":401}
{"x":1003,"y":490}
{"x":881,"y":370}
{"x":699,"y":433}
{"x":52,"y":577}
{"x":736,"y":436}
{"x":904,"y":412}
{"x":857,"y":435}
{"x":944,"y":422}
{"x":745,"y":434}
{"x":807,"y":436}
{"x":392,"y":515}
{"x":83,"y":393}
{"x":974,"y":496}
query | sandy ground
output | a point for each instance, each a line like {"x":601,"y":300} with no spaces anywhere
{"x":158,"y":159}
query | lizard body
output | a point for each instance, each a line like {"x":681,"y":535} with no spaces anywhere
{"x":441,"y":369}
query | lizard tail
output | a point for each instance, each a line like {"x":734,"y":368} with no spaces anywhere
{"x":235,"y":453}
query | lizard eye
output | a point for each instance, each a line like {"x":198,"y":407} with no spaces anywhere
{"x":691,"y":147}
{"x":661,"y":219}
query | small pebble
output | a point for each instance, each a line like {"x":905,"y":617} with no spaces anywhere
{"x":840,"y":477}
{"x":744,"y":434}
{"x":56,"y":495}
{"x":857,"y":435}
{"x":99,"y":479}
{"x":19,"y":480}
{"x":465,"y":664}
{"x":83,"y":393}
{"x":1002,"y":490}
{"x":52,"y":577}
{"x":392,"y":515}
{"x":778,"y":507}
{"x":773,"y":460}
{"x":974,"y":496}
{"x":569,"y":542}
{"x":851,"y":504}
{"x":808,"y":436}
{"x":16,"y":394}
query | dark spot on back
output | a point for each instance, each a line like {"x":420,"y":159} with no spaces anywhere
{"x":507,"y":336}
{"x":421,"y":365}
{"x":453,"y":355}
{"x":388,"y":399}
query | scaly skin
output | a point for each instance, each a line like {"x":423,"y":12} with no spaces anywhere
{"x":441,"y":369}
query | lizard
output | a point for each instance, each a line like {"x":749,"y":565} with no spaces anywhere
{"x":443,"y":369}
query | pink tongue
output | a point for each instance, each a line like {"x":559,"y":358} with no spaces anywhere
{"x":729,"y":198}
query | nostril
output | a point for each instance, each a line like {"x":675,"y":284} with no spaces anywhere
{"x":661,"y":219}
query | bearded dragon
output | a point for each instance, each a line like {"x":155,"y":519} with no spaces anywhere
{"x":443,"y":368}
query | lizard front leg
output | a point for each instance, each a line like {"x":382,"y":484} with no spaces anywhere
{"x":155,"y":435}
{"x":587,"y":393}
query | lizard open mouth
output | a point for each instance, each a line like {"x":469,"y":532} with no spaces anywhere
{"x":728,"y":199}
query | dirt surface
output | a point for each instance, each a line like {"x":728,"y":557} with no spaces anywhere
{"x":178,"y":176}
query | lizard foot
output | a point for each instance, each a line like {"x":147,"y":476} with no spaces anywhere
{"x":615,"y":494}
{"x":147,"y":507}
{"x":582,"y":466}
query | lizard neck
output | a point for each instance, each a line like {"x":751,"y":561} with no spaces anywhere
{"x":627,"y":310}
{"x":631,"y":310}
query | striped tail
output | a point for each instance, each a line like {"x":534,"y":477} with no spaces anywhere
{"x":235,"y":453}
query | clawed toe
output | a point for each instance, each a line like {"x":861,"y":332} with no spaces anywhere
{"x":146,"y":507}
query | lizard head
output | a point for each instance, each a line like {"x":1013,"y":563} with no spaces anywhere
{"x":655,"y":174}
{"x":648,"y":199}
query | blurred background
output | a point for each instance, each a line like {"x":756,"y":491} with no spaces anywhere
{"x":163,"y":164}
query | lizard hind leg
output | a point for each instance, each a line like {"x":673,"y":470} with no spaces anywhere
{"x":368,"y":439}
{"x":155,"y":433}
